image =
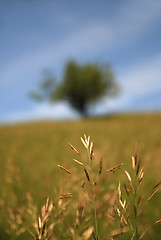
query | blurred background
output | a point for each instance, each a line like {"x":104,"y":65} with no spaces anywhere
{"x":63,"y":51}
{"x":37,"y":35}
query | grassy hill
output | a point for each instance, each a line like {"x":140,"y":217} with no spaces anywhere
{"x":30,"y":153}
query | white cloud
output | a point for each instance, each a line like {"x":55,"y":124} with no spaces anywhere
{"x":138,"y":82}
{"x":143,"y":78}
{"x":43,"y":111}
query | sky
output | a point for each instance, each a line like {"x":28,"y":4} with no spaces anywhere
{"x":44,"y":34}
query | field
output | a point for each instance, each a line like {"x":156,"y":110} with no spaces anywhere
{"x":30,"y":153}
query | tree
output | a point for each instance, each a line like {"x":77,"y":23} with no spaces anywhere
{"x":82,"y":85}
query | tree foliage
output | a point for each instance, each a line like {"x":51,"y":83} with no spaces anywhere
{"x":46,"y":87}
{"x":81,"y":86}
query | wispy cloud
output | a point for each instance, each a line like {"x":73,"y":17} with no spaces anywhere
{"x":43,"y":111}
{"x":143,"y":78}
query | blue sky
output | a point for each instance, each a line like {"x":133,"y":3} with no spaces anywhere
{"x":38,"y":34}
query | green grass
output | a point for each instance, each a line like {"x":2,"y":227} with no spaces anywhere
{"x":37,"y":148}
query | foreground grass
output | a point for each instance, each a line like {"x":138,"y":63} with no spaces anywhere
{"x":29,"y":154}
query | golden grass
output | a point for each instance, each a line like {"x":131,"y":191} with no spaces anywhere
{"x":36,"y":149}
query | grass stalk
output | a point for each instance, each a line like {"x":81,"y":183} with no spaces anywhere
{"x":95,"y":218}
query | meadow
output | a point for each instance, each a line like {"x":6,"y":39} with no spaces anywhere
{"x":29,"y":157}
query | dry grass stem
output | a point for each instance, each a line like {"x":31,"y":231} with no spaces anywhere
{"x":66,"y":170}
{"x":136,"y":153}
{"x":114,"y":168}
{"x":124,"y":220}
{"x":135,"y":209}
{"x":157,"y":185}
{"x":65,"y":195}
{"x":151,"y":196}
{"x":48,"y":238}
{"x":110,"y":217}
{"x":78,"y":162}
{"x":87,"y":175}
{"x":140,"y":199}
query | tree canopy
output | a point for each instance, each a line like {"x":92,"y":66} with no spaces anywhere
{"x":81,"y":86}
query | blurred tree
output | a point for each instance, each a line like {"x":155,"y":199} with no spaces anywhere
{"x":46,"y":87}
{"x":82,"y":86}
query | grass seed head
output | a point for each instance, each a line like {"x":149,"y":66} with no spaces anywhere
{"x":83,"y":185}
{"x":128,"y":175}
{"x":126,"y":189}
{"x":133,"y":162}
{"x":123,"y":204}
{"x":100,"y":171}
{"x":84,"y":143}
{"x":141,"y":174}
{"x":47,"y":204}
{"x":119,"y":191}
{"x":80,"y":163}
{"x":87,"y":140}
{"x":91,"y":151}
{"x":43,"y":211}
{"x":138,"y":168}
{"x":39,"y":224}
{"x":88,"y":233}
{"x":43,"y":229}
{"x":129,"y":180}
{"x":74,"y":149}
{"x":65,"y":195}
{"x":159,"y":221}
